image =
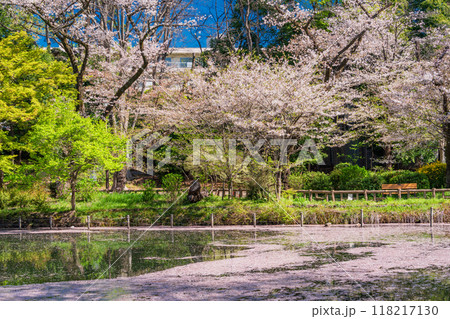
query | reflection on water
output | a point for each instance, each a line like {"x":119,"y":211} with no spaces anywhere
{"x":39,"y":258}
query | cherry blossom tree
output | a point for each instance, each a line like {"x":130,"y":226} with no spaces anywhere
{"x":270,"y":101}
{"x":116,"y":41}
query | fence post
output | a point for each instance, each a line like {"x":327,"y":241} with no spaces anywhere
{"x":51,"y":222}
{"x":128,"y":221}
{"x":171,"y":220}
{"x":254,"y":220}
{"x":374,"y":197}
{"x":20,"y":222}
{"x":399,"y":193}
{"x":301,"y":219}
{"x":333,"y":198}
{"x":365,"y":194}
{"x":434,"y":192}
{"x":310,"y":195}
{"x":431,"y":217}
{"x":362,"y":218}
{"x":212,"y":220}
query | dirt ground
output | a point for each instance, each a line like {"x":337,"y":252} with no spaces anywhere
{"x":401,"y":262}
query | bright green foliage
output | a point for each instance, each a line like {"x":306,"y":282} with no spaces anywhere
{"x":67,"y":145}
{"x":29,"y":80}
{"x":317,"y":180}
{"x":172,"y":184}
{"x":149,"y":193}
{"x":401,"y":177}
{"x":371,"y":182}
{"x":86,"y":187}
{"x":439,"y":11}
{"x":310,"y":180}
{"x":435,"y":173}
{"x":5,"y":22}
{"x":346,"y":176}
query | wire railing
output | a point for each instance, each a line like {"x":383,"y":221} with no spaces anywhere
{"x":302,"y":217}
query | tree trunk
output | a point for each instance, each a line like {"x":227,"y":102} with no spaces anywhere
{"x":447,"y":154}
{"x":2,"y":177}
{"x":441,"y":152}
{"x":120,"y":179}
{"x":107,"y":180}
{"x":80,"y":88}
{"x":230,"y":188}
{"x":388,"y":151}
{"x":446,"y":110}
{"x":223,"y":189}
{"x":73,"y":190}
{"x":114,"y":182}
{"x":279,"y":184}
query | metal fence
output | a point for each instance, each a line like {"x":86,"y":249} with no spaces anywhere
{"x":170,"y":220}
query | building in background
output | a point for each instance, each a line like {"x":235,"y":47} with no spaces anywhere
{"x":183,"y":58}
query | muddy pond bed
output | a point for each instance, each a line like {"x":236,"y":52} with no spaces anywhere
{"x":228,"y":263}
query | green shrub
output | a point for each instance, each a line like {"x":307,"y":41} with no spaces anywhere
{"x":347,"y":177}
{"x":35,"y":196}
{"x":317,"y":181}
{"x":39,"y":200}
{"x":85,"y":189}
{"x":411,"y":177}
{"x":4,"y":199}
{"x":261,"y":182}
{"x":372,"y":182}
{"x":390,"y":174}
{"x":435,"y":173}
{"x":149,"y":193}
{"x":295,"y":181}
{"x":20,"y":198}
{"x":172,"y":184}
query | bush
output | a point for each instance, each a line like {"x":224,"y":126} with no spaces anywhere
{"x":149,"y":193}
{"x":85,"y":189}
{"x":390,"y":174}
{"x":20,"y":198}
{"x":172,"y":184}
{"x":295,"y":181}
{"x":411,"y":177}
{"x":372,"y":182}
{"x":347,"y":177}
{"x":26,"y":197}
{"x":4,"y":199}
{"x":435,"y":173}
{"x":317,"y":181}
{"x":260,"y":183}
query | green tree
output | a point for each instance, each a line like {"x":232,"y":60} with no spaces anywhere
{"x":5,"y":22}
{"x":439,"y":11}
{"x":67,"y":146}
{"x":29,"y":80}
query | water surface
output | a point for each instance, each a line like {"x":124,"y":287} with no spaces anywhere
{"x":39,"y":258}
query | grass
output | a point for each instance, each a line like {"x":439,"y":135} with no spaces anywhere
{"x":235,"y":211}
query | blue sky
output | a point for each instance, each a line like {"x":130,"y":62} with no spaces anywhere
{"x":200,"y":8}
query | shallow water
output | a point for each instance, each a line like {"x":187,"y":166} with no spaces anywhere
{"x":39,"y":258}
{"x":284,"y":263}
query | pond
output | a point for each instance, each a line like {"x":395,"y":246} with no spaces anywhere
{"x":52,"y":257}
{"x":266,"y":263}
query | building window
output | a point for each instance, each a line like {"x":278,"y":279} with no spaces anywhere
{"x":185,"y":62}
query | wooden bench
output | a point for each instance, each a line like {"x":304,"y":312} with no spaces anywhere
{"x":398,"y":187}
